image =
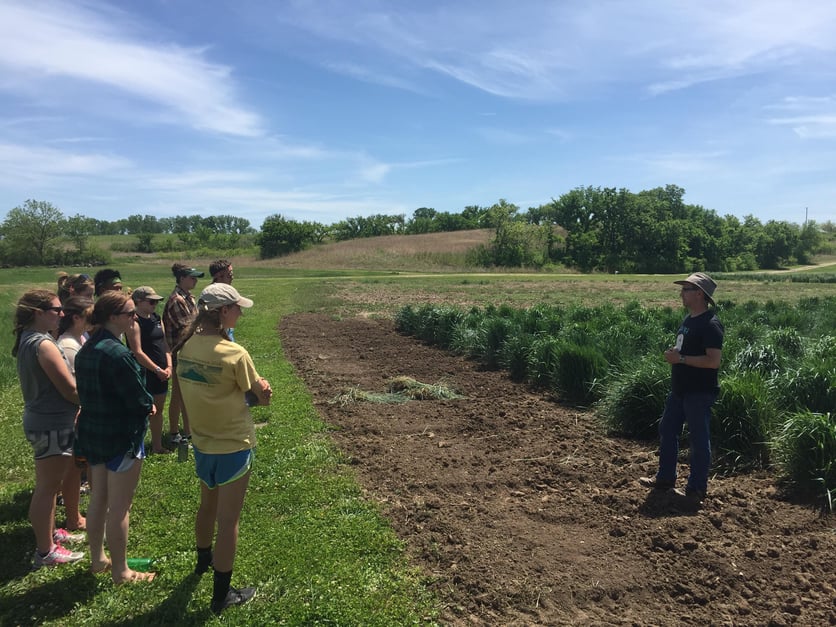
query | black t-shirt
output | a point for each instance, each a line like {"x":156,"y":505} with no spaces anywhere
{"x":693,"y":337}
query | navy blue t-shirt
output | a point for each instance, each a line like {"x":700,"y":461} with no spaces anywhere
{"x":696,"y":334}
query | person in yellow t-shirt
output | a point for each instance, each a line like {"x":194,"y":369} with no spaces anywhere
{"x":216,"y":376}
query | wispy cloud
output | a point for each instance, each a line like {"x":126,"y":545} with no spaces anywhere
{"x":809,"y":117}
{"x":43,"y":41}
{"x":556,"y":51}
{"x":681,"y":162}
{"x":24,"y":163}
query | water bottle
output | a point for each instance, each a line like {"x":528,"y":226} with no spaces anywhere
{"x":183,"y":450}
{"x":141,"y":564}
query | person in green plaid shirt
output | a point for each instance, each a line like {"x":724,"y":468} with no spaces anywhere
{"x":110,"y":431}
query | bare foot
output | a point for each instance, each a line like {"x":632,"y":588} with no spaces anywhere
{"x":77,"y":525}
{"x":100,"y":567}
{"x":133,"y":576}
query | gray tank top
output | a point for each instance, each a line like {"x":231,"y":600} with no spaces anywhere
{"x":44,"y":407}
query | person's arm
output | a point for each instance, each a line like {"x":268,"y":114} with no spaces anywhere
{"x":130,"y":385}
{"x":134,"y":337}
{"x":251,"y":382}
{"x":178,"y":317}
{"x":53,"y":364}
{"x":167,"y":370}
{"x":711,"y":359}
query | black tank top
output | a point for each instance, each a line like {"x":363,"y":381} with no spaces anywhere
{"x":152,"y":338}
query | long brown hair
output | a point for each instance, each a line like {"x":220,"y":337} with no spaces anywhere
{"x":74,"y":306}
{"x":206,"y":319}
{"x":71,"y":284}
{"x":27,"y":305}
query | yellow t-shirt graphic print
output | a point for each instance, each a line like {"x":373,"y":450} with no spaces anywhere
{"x":214,"y":375}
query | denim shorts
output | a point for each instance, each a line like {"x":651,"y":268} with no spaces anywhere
{"x":51,"y":443}
{"x":216,"y":469}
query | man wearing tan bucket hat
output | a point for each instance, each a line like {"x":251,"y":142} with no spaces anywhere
{"x":695,"y":361}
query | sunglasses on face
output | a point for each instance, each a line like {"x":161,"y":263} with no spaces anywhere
{"x":132,"y":312}
{"x":689,"y":289}
{"x":55,"y":309}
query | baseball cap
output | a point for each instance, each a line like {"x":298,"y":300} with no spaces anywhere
{"x":191,"y":272}
{"x":217,"y":295}
{"x":145,"y":292}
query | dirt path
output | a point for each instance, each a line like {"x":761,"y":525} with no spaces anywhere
{"x":522,"y":512}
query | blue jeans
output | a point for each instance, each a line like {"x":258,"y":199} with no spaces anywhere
{"x":695,"y":409}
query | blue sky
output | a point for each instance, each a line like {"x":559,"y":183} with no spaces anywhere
{"x":322,"y":110}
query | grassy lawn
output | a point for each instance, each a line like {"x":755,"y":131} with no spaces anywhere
{"x":315,"y":549}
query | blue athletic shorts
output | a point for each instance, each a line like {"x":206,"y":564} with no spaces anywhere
{"x":121,"y":463}
{"x":51,"y":443}
{"x":222,"y":468}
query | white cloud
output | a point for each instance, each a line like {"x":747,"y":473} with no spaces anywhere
{"x":811,"y":117}
{"x":556,"y":51}
{"x":23,"y":163}
{"x":45,"y":41}
{"x":681,"y":162}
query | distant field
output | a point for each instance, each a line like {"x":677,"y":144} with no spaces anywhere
{"x":432,"y":252}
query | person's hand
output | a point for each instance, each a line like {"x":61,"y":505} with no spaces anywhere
{"x":164,"y":374}
{"x":153,"y":411}
{"x":266,"y":390}
{"x":672,"y":356}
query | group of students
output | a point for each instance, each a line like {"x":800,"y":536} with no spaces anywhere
{"x":91,"y":398}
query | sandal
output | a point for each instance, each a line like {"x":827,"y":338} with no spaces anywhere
{"x":136,"y":577}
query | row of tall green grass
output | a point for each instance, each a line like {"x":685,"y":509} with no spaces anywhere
{"x":316,"y":549}
{"x":777,"y":403}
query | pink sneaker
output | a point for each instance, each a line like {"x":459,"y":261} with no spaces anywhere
{"x":59,"y":536}
{"x":58,"y":555}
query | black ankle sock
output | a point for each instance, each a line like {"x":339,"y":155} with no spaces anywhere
{"x":221,"y":586}
{"x":204,"y":560}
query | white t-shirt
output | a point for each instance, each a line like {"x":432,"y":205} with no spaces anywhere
{"x":70,"y":346}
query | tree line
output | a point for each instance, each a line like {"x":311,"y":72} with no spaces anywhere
{"x":38,"y":233}
{"x":587,"y":228}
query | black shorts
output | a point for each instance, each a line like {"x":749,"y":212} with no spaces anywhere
{"x":153,"y":384}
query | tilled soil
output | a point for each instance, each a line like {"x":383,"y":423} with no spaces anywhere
{"x":523,"y":512}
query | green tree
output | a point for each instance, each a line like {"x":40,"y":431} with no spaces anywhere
{"x":777,"y":244}
{"x":280,"y":236}
{"x":30,"y":233}
{"x":79,"y":228}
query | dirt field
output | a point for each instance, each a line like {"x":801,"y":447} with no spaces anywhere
{"x":523,"y":513}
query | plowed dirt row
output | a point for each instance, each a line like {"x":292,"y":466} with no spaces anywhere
{"x":523,"y":512}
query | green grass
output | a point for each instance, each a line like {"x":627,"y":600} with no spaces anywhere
{"x":318,"y":552}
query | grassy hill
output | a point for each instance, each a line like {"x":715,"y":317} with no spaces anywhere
{"x":431,"y":252}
